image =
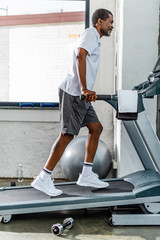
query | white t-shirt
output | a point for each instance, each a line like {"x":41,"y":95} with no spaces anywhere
{"x":90,"y":41}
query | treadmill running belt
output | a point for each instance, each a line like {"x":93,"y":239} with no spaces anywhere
{"x":69,"y":190}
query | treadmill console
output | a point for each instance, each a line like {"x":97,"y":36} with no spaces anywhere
{"x":151,"y":87}
{"x":156,"y":72}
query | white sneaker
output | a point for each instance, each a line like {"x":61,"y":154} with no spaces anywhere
{"x":46,"y":186}
{"x":91,"y":180}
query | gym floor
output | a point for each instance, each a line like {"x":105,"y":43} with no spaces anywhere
{"x":88,"y":225}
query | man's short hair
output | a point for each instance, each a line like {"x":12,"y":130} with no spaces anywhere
{"x":100,"y":13}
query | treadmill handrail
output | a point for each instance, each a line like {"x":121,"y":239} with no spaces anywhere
{"x":103,"y":97}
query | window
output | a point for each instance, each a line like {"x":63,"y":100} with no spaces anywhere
{"x":37,"y":38}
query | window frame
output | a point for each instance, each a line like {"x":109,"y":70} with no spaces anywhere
{"x":44,"y":105}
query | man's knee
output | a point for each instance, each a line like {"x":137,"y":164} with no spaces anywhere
{"x":66,"y":138}
{"x":95,"y":128}
{"x":99,"y":129}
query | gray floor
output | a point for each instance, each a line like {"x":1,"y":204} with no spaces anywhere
{"x":91,"y":225}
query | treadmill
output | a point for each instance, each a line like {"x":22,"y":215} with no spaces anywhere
{"x":141,"y":188}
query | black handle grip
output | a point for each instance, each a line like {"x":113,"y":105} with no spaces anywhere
{"x":100,"y":97}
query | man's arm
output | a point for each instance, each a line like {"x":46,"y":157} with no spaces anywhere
{"x":81,"y":65}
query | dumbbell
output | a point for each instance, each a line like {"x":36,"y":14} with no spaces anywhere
{"x":58,"y":228}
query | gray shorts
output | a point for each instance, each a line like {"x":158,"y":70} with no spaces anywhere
{"x":74,"y":113}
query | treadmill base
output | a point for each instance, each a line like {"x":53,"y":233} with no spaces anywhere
{"x":134,"y":219}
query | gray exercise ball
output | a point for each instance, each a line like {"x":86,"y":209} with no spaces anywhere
{"x":73,"y":158}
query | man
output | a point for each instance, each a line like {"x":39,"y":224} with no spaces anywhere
{"x":75,"y":113}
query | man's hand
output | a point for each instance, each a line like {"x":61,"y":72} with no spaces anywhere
{"x":90,"y":95}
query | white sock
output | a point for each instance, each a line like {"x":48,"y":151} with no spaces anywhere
{"x":87,"y":168}
{"x":45,"y":174}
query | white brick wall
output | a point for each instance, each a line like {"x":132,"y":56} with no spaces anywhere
{"x":28,"y":143}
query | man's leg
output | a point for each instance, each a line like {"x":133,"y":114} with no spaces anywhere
{"x":43,"y":182}
{"x":95,"y":130}
{"x":88,"y":178}
{"x":58,"y":150}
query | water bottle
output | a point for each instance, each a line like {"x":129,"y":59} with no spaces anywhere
{"x":20,"y":173}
